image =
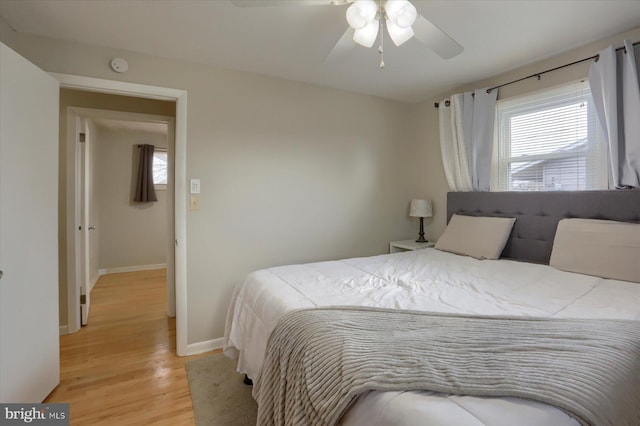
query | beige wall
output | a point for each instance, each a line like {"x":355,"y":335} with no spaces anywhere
{"x":131,"y":234}
{"x":427,"y":115}
{"x":290,"y":172}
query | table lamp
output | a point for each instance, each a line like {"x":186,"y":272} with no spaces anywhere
{"x":421,"y":209}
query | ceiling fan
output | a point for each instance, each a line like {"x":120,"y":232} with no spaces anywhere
{"x":366,"y":18}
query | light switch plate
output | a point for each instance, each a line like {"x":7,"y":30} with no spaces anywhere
{"x":195,"y":186}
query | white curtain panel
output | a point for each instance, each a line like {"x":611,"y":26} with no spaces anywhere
{"x":466,"y":139}
{"x":615,"y":87}
{"x":452,"y":145}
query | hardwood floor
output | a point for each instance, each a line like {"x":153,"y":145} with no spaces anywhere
{"x":122,"y":368}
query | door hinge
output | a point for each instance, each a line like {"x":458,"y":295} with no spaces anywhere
{"x":83,"y":299}
{"x":82,"y":137}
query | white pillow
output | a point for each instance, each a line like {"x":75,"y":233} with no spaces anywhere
{"x":476,"y":236}
{"x":603,"y":248}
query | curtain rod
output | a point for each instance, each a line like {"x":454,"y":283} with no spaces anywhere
{"x":157,"y":148}
{"x":539,"y":74}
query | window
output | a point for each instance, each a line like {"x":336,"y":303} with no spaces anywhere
{"x":160,"y":168}
{"x":549,"y":141}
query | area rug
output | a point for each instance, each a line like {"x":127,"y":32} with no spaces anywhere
{"x":219,"y":397}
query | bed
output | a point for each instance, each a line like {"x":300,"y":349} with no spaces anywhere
{"x":439,"y":286}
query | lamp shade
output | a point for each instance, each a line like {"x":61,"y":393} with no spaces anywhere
{"x":420,"y":208}
{"x":401,"y":12}
{"x":367,"y":36}
{"x":361,"y":13}
{"x":398,"y":34}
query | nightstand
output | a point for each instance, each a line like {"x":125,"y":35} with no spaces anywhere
{"x":408,"y":245}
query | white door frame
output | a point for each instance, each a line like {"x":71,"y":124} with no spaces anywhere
{"x":180,"y":181}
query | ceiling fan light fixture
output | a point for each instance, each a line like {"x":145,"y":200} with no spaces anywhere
{"x":398,"y":34}
{"x":367,"y":36}
{"x":361,"y":13}
{"x":401,"y":12}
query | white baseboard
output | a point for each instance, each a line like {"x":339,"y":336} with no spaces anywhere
{"x":132,"y":268}
{"x":64,"y":329}
{"x":206,"y":346}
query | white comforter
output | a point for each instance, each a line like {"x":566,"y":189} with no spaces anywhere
{"x":428,"y":280}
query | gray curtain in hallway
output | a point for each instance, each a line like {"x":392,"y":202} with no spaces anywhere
{"x":145,"y":191}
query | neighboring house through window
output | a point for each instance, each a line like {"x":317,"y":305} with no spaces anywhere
{"x":549,"y":141}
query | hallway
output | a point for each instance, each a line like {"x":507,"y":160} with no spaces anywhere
{"x":122,"y":369}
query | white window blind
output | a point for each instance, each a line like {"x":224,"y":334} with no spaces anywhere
{"x":160,"y":166}
{"x":549,"y":141}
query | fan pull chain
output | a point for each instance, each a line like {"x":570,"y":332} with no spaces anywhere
{"x":381,"y":47}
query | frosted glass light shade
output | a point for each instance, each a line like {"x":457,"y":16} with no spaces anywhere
{"x":361,"y":13}
{"x":401,"y":12}
{"x":421,"y":208}
{"x":367,"y":36}
{"x":398,"y":34}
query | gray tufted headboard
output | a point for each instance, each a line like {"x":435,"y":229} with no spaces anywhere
{"x":538,"y":213}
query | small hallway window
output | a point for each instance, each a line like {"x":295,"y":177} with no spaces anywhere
{"x":160,"y":168}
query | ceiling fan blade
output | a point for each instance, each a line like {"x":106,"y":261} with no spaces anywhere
{"x":436,"y":39}
{"x":268,"y":3}
{"x":342,"y":47}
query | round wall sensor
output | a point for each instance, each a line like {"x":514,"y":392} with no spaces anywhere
{"x":119,"y":65}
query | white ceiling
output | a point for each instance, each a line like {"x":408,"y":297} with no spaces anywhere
{"x":291,"y":41}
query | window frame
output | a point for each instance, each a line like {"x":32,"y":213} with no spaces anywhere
{"x":558,"y":96}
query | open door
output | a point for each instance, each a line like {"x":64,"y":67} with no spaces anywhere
{"x":83,"y":141}
{"x":79,"y":226}
{"x":29,"y":333}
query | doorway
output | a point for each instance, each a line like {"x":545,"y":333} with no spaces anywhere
{"x":113,"y":233}
{"x":179,"y":187}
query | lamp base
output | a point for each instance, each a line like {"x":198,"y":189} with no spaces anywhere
{"x":421,"y":233}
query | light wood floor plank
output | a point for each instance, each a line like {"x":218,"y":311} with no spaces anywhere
{"x":122,"y":368}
